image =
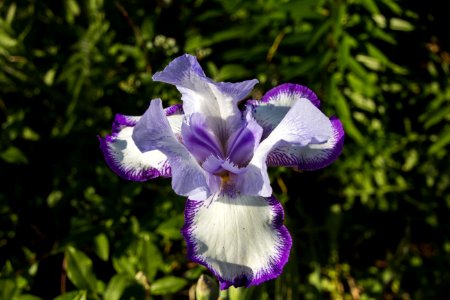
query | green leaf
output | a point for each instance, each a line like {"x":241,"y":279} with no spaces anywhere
{"x":8,"y":288}
{"x":79,"y":269}
{"x":442,"y":141}
{"x":395,"y":7}
{"x":151,"y":258}
{"x":102,"y":246}
{"x":377,"y":53}
{"x":167,"y":285}
{"x":170,"y":229}
{"x":27,"y":297}
{"x":117,"y":286}
{"x":232,"y":72}
{"x":11,"y":13}
{"x":382,"y":35}
{"x":344,"y":113}
{"x":357,"y":68}
{"x":13,"y":155}
{"x":319,"y":33}
{"x":72,"y":10}
{"x":6,"y":40}
{"x":75,"y":295}
{"x":371,"y":6}
{"x":125,"y":264}
{"x":401,"y":25}
{"x":147,"y":29}
{"x":435,"y":117}
{"x":54,"y":198}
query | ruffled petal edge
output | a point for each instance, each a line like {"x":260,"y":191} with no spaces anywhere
{"x":310,"y":157}
{"x":125,"y":159}
{"x":261,"y":242}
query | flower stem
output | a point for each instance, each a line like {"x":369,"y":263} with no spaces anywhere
{"x":224,"y":295}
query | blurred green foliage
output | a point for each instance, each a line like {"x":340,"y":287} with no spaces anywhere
{"x":373,"y":225}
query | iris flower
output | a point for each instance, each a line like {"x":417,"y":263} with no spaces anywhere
{"x":217,"y":156}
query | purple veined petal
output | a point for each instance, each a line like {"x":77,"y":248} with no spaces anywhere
{"x":242,"y":143}
{"x":123,"y":121}
{"x":153,"y":132}
{"x":216,"y":101}
{"x":199,"y":140}
{"x":242,"y":240}
{"x":284,"y":94}
{"x":213,"y":164}
{"x":275,"y":104}
{"x":304,"y":124}
{"x":176,"y":109}
{"x":125,"y":159}
{"x":310,"y":157}
{"x":231,"y":167}
{"x":174,"y":114}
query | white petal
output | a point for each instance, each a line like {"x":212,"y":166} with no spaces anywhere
{"x":124,"y":158}
{"x":310,"y":157}
{"x":242,"y":240}
{"x":275,"y":104}
{"x":303,"y":124}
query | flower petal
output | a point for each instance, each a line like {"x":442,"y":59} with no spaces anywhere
{"x":313,"y":156}
{"x":200,"y":94}
{"x":276,"y":103}
{"x":199,"y":140}
{"x":153,"y":132}
{"x":242,"y":240}
{"x":125,"y":159}
{"x":242,"y":143}
{"x":304,"y":124}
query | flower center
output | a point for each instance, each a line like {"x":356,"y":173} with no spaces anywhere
{"x":226,"y":186}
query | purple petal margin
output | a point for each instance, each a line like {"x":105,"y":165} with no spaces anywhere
{"x":122,"y":121}
{"x":249,"y":278}
{"x":113,"y":159}
{"x":299,"y":91}
{"x":333,"y":153}
{"x":291,"y":156}
{"x":128,"y":174}
{"x":176,"y":109}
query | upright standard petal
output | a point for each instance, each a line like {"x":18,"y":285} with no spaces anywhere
{"x":216,"y":101}
{"x":304,"y":124}
{"x":125,"y":159}
{"x":153,"y":132}
{"x":242,"y":240}
{"x":199,"y":140}
{"x":243,"y":142}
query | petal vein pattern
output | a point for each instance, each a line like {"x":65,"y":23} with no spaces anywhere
{"x":153,"y":132}
{"x":273,"y":108}
{"x":241,"y":240}
{"x":125,"y":159}
{"x":302,"y":125}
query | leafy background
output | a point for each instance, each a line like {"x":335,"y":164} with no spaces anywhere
{"x":373,"y":225}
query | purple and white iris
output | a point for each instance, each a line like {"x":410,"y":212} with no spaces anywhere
{"x":217,"y":156}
